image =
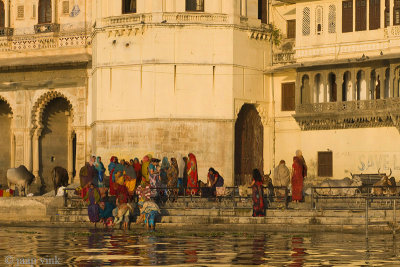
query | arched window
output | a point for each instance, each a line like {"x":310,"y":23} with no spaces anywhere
{"x":304,"y":89}
{"x":306,"y":21}
{"x":319,"y":20}
{"x":44,"y":11}
{"x":319,"y":89}
{"x":2,"y":15}
{"x":128,"y":6}
{"x":332,"y":87}
{"x":347,"y":90}
{"x":332,"y":19}
{"x":194,"y":5}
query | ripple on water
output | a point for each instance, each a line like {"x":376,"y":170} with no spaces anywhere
{"x":96,"y":247}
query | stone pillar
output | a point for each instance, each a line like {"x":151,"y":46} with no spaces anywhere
{"x":339,"y":86}
{"x":353,"y":82}
{"x":35,"y":154}
{"x":391,"y":5}
{"x":29,"y":149}
{"x":368,"y":83}
{"x":80,"y":148}
{"x":367,"y":2}
{"x":12,"y":154}
{"x":380,"y":78}
{"x":382,"y":14}
{"x":298,"y":89}
{"x":391,"y":82}
{"x":325,"y":86}
{"x":7,"y":13}
{"x":53,"y":11}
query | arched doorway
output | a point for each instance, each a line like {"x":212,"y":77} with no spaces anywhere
{"x":5,"y":141}
{"x":2,"y":15}
{"x":249,"y":135}
{"x":54,"y":140}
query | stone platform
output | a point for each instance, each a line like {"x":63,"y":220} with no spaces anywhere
{"x":330,"y":215}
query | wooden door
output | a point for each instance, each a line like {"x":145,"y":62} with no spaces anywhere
{"x":374,"y":14}
{"x":44,"y":11}
{"x":347,"y":16}
{"x":361,"y":15}
{"x":249,"y":138}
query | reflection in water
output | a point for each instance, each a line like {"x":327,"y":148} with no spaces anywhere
{"x":98,"y":247}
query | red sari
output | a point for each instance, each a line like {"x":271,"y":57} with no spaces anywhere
{"x":192,"y":175}
{"x":297,"y":179}
{"x":258,"y":199}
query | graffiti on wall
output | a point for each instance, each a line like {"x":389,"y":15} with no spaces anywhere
{"x":384,"y":162}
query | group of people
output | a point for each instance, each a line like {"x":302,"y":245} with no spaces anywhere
{"x":141,"y":182}
{"x":147,"y":180}
{"x":282,"y":179}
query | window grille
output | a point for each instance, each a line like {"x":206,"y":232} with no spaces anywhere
{"x":332,"y":19}
{"x":319,"y":20}
{"x":65,"y":7}
{"x":194,"y":5}
{"x":306,"y":21}
{"x":20,"y":12}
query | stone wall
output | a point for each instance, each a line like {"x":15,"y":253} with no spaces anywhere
{"x":5,"y":148}
{"x":211,"y":141}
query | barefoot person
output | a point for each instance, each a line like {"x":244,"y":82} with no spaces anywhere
{"x":93,"y":195}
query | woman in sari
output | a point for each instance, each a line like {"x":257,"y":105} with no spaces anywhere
{"x":100,"y":172}
{"x":163,"y":171}
{"x":154,"y":176}
{"x":297,"y":179}
{"x":93,"y":209}
{"x":258,"y":194}
{"x":192,"y":175}
{"x":145,"y":170}
{"x":111,"y":168}
{"x":138,"y":170}
{"x":172,"y":175}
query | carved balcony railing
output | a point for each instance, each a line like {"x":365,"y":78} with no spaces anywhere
{"x":392,"y":31}
{"x":284,"y":58}
{"x":47,"y":27}
{"x":349,"y":114}
{"x":34,"y":42}
{"x":6,"y":31}
{"x":185,"y":17}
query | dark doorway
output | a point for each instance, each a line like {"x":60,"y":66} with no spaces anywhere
{"x":2,"y":15}
{"x":44,"y":11}
{"x":5,"y":141}
{"x":249,"y":140}
{"x":53,"y":143}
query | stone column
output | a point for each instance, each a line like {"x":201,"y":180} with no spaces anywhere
{"x":368,"y":83}
{"x":325,"y":86}
{"x":391,"y":5}
{"x":353,"y":85}
{"x":7,"y":13}
{"x":80,"y":148}
{"x":367,"y":2}
{"x":391,"y":82}
{"x":382,"y":22}
{"x":381,"y":77}
{"x":339,"y":86}
{"x":298,"y":89}
{"x":53,"y":11}
{"x":29,"y":149}
{"x":12,"y":154}
{"x":35,"y":154}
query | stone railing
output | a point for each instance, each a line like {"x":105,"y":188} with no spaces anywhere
{"x":6,"y":31}
{"x":128,"y":19}
{"x":348,"y":106}
{"x":33,"y":42}
{"x":284,"y":58}
{"x":349,"y":114}
{"x":392,"y":31}
{"x":166,"y":18}
{"x":47,"y":27}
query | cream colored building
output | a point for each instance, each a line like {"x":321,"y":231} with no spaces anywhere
{"x":345,"y":70}
{"x":127,"y":78}
{"x":170,"y":77}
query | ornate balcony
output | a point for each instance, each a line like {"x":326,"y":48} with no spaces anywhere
{"x":284,"y":58}
{"x":350,"y":114}
{"x":47,"y":27}
{"x":6,"y":31}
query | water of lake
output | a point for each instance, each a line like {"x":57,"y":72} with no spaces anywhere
{"x":98,"y":247}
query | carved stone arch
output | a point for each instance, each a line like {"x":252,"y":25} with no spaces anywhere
{"x":7,"y":142}
{"x":41,"y":103}
{"x":2,"y":98}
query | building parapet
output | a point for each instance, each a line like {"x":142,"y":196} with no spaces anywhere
{"x":349,"y":114}
{"x":284,"y":58}
{"x":167,"y":18}
{"x":44,"y":41}
{"x":392,"y":31}
{"x":47,"y":27}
